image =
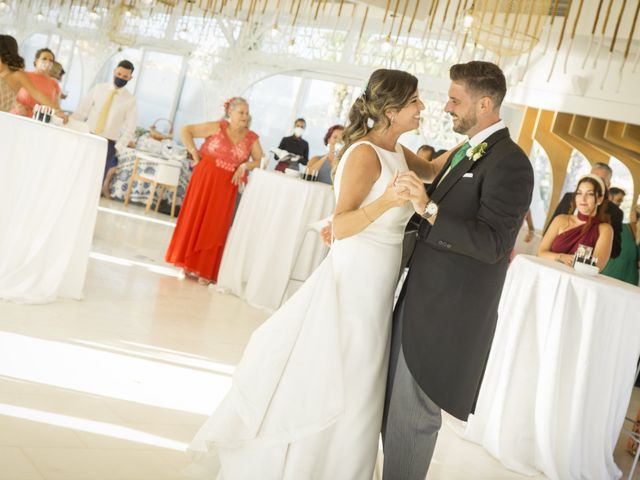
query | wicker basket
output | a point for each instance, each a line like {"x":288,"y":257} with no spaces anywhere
{"x":156,"y":135}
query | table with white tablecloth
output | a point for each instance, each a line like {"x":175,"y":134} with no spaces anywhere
{"x":270,"y":241}
{"x":560,"y":372}
{"x":49,"y":192}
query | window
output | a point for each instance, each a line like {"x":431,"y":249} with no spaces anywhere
{"x":157,"y":86}
{"x":323,"y":104}
{"x":577,"y":167}
{"x":191,"y":105}
{"x":542,"y":185}
{"x":622,"y":179}
{"x":271,"y":103}
{"x":31,"y":45}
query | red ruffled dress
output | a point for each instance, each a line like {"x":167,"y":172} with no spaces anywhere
{"x":207,"y":210}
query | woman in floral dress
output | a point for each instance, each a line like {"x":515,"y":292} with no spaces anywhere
{"x":220,"y":166}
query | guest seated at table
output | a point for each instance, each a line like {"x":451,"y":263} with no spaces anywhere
{"x":220,"y":166}
{"x":295,"y":143}
{"x":603,"y":171}
{"x":589,"y":227}
{"x":426,"y":152}
{"x":325,"y":165}
{"x":625,"y":266}
{"x":616,"y":196}
{"x":40,"y":78}
{"x":13,"y":78}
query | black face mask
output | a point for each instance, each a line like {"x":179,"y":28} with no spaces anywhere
{"x":119,"y":82}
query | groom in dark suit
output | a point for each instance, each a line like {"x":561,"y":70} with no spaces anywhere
{"x":445,"y":318}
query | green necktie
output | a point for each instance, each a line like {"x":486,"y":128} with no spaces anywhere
{"x":460,"y":154}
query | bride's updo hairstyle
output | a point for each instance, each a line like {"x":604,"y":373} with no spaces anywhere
{"x":386,"y":91}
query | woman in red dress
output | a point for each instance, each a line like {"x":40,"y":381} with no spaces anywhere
{"x":589,"y":226}
{"x":220,"y":166}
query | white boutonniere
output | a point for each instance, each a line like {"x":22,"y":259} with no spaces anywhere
{"x":478,"y":151}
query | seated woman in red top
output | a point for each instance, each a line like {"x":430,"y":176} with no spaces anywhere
{"x":42,"y":81}
{"x":220,"y":166}
{"x":590,"y":226}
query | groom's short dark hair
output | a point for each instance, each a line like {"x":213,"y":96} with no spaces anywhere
{"x":481,"y":78}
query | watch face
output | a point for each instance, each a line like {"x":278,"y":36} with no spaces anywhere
{"x":432,"y":209}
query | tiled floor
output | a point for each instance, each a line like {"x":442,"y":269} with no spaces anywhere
{"x":114,"y":387}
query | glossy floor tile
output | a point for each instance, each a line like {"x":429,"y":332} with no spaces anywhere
{"x":113,"y":387}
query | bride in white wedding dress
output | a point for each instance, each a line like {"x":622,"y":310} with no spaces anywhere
{"x":307,"y":398}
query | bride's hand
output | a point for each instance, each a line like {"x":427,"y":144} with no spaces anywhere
{"x":396,"y":195}
{"x":414,"y":190}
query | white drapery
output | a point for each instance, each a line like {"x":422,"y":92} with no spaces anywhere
{"x":560,"y":372}
{"x":267,"y":234}
{"x":49,"y":192}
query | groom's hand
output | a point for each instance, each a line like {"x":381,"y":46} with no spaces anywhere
{"x":326,"y":233}
{"x":414,"y":187}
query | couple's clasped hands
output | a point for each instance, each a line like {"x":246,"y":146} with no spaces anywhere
{"x":407,"y":187}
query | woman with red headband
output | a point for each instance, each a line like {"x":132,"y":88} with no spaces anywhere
{"x":220,"y":165}
{"x":325,"y":165}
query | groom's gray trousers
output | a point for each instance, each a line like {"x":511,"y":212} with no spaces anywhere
{"x":411,"y":420}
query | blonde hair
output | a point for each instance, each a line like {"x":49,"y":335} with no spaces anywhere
{"x":386,"y":90}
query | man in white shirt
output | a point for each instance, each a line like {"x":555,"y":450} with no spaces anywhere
{"x":111,"y":112}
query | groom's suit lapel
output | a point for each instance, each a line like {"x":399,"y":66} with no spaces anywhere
{"x":440,"y":189}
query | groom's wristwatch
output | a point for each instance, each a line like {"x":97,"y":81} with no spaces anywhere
{"x":430,"y":210}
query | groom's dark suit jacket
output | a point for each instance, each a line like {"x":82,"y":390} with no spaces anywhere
{"x":457,"y":272}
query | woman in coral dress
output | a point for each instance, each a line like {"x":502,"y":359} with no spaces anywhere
{"x":42,"y":81}
{"x":220,"y":166}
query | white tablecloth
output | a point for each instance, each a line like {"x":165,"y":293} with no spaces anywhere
{"x":268,"y":232}
{"x":49,"y":192}
{"x":560,"y":372}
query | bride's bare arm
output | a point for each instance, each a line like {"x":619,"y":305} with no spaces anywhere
{"x":359,"y":174}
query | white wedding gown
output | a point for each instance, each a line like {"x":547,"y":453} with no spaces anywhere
{"x":307,"y":397}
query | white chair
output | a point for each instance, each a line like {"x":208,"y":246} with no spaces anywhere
{"x":166,"y":176}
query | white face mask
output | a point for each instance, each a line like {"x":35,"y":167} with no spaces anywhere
{"x":43,"y":65}
{"x":339,"y":146}
{"x":298,"y":131}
